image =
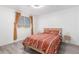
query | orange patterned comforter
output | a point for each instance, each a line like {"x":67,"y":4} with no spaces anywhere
{"x":44,"y":42}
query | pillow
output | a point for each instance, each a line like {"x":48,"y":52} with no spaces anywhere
{"x":55,"y":32}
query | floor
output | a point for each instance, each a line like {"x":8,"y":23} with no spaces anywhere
{"x":17,"y":48}
{"x":69,"y":49}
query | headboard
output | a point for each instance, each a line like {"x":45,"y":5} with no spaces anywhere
{"x":56,"y":30}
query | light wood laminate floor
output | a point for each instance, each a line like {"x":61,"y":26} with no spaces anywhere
{"x":17,"y":48}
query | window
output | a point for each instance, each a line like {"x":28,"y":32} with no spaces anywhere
{"x":24,"y":22}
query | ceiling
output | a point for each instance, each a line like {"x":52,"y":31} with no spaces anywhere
{"x":27,"y":9}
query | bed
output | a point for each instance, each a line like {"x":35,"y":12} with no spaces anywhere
{"x":47,"y":42}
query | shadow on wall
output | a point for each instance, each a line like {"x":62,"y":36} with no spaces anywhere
{"x":67,"y":38}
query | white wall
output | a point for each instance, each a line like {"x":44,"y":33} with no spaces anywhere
{"x":67,"y":19}
{"x":6,"y":25}
{"x":35,"y":22}
{"x":7,"y":17}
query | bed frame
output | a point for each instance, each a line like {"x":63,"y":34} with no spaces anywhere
{"x":56,"y":48}
{"x":34,"y":49}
